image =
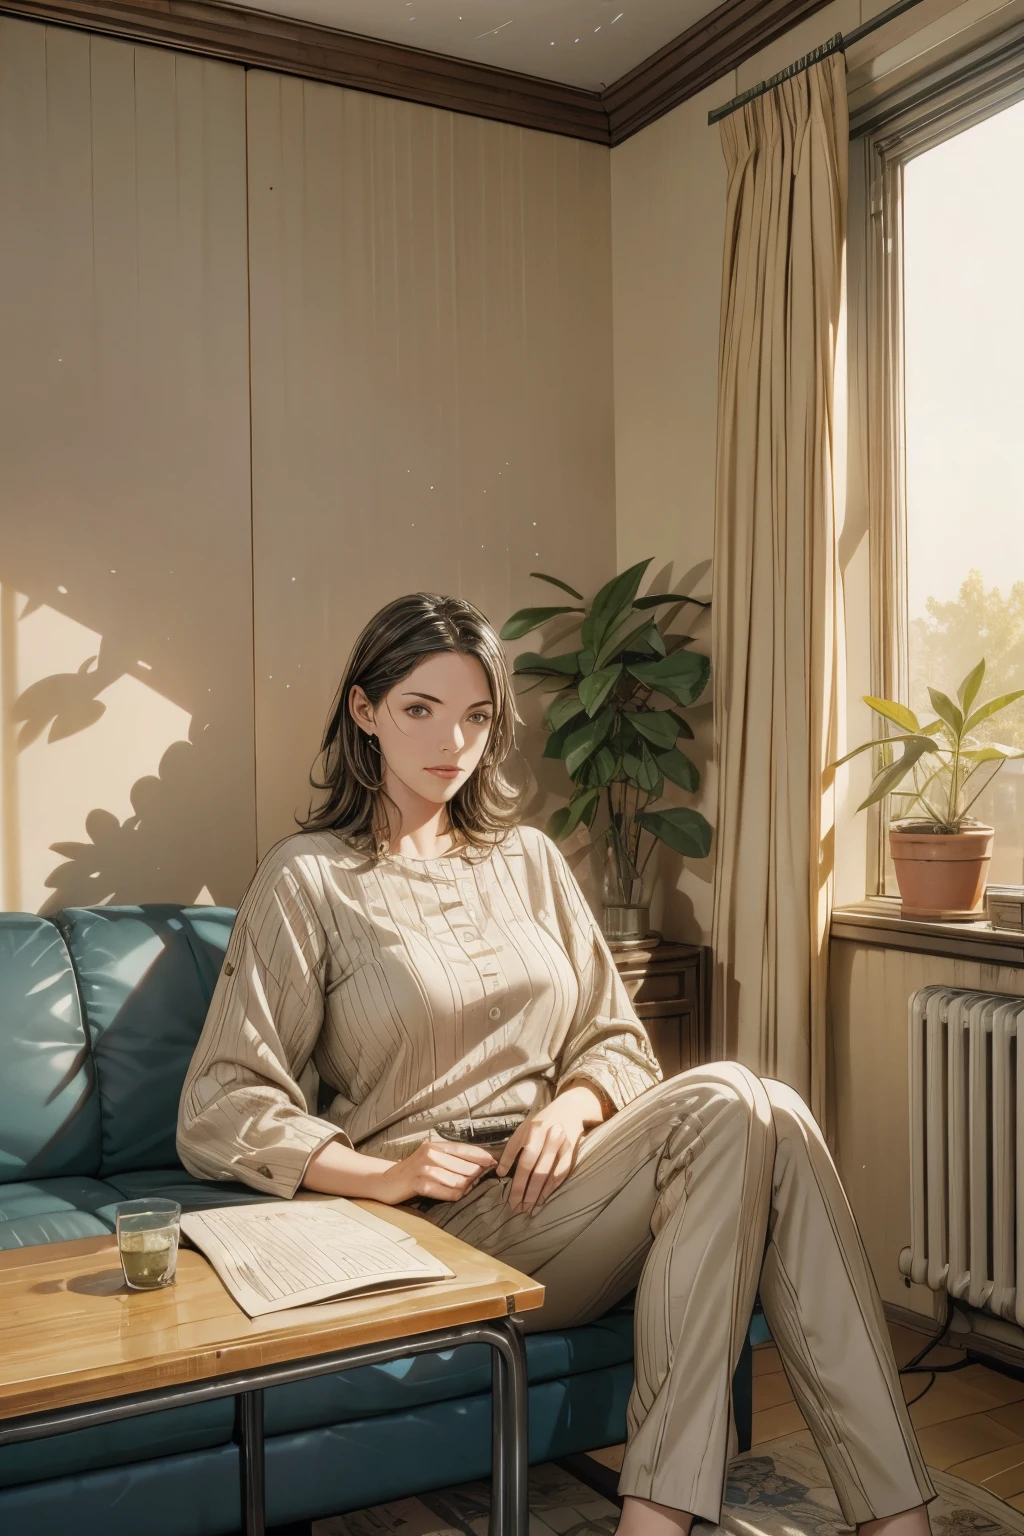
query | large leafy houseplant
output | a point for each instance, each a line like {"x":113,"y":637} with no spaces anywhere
{"x":618,"y":745}
{"x":940,"y":852}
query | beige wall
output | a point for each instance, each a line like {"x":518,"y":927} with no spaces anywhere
{"x":431,"y":388}
{"x":125,"y":607}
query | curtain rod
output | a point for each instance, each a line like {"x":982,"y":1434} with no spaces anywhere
{"x":836,"y":44}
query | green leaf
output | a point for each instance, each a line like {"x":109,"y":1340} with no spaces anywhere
{"x":593,"y":690}
{"x":585,"y":660}
{"x":603,"y":762}
{"x":561,"y":710}
{"x":649,"y":778}
{"x":993,"y":707}
{"x":682,"y":676}
{"x":657,"y":725}
{"x":583,"y":743}
{"x":995,"y":751}
{"x":555,"y":827}
{"x":887,"y":779}
{"x":549,"y":666}
{"x":613,"y":600}
{"x":632,"y":767}
{"x":577,"y":808}
{"x":652,"y":599}
{"x":540,"y":576}
{"x":899,"y":714}
{"x":526,"y":619}
{"x":685,"y":728}
{"x":555,"y":744}
{"x":675,"y":765}
{"x":620,"y":638}
{"x":946,"y":710}
{"x":681,"y":828}
{"x":653,"y":637}
{"x":879,"y":741}
{"x":968,"y":690}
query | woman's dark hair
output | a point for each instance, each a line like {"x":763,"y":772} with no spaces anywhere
{"x":401,"y":635}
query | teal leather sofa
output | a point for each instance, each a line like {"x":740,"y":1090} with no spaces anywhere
{"x":100,"y":1009}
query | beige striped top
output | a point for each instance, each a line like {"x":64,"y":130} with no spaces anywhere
{"x":370,"y":1004}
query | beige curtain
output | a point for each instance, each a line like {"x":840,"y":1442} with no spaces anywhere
{"x":776,"y":614}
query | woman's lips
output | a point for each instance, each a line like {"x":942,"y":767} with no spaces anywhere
{"x":445,"y":773}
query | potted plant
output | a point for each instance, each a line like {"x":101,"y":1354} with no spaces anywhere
{"x":940,"y":852}
{"x":618,"y":747}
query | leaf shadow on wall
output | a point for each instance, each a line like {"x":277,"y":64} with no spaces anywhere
{"x":189,"y":833}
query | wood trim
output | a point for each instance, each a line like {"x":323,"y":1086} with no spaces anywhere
{"x":713,"y":46}
{"x":262,"y":41}
{"x":877,"y":922}
{"x":716,"y":44}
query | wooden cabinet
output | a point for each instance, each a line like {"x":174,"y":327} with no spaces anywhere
{"x":669,"y":985}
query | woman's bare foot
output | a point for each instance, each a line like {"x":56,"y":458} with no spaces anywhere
{"x":909,"y":1522}
{"x":642,"y":1517}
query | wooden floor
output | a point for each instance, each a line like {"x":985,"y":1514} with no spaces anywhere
{"x":970,"y":1422}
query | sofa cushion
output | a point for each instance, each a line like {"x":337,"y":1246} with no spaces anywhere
{"x":417,"y":1380}
{"x":169,"y":1433}
{"x":49,"y":1110}
{"x":146,"y":976}
{"x":191,"y":1194}
{"x":55,"y":1211}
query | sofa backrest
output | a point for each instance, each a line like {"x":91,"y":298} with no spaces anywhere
{"x":102,"y":1098}
{"x":49,"y":1109}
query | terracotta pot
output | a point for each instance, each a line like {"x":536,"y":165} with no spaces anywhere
{"x":941,"y":875}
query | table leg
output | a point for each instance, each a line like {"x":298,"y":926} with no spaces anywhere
{"x":252,"y":1462}
{"x":510,"y":1514}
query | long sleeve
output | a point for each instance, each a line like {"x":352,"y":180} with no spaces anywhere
{"x":243,"y":1113}
{"x":607,"y":1043}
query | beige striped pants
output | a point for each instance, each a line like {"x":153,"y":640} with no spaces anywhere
{"x":708,"y":1188}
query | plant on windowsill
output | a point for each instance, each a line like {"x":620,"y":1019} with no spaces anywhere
{"x":940,"y":852}
{"x":618,"y":748}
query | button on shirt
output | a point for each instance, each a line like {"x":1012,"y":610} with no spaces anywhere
{"x":398,"y":995}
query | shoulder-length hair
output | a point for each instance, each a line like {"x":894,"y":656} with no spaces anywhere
{"x":398,"y":637}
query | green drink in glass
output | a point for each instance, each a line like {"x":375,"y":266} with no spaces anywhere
{"x":147,"y":1240}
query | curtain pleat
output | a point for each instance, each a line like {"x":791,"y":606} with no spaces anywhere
{"x":777,"y":596}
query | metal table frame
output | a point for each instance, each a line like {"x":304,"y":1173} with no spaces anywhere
{"x":504,"y":1335}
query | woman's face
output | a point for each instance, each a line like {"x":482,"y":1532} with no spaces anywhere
{"x":437,"y":717}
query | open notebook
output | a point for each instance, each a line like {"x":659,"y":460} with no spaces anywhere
{"x":287,"y":1254}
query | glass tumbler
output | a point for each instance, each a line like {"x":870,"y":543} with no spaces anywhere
{"x":147,"y":1240}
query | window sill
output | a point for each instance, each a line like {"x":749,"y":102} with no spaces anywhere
{"x":877,"y":921}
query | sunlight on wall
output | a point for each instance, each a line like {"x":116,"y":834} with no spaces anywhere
{"x":74,"y":742}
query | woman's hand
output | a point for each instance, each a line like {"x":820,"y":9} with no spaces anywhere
{"x":546,"y":1144}
{"x":436,"y":1170}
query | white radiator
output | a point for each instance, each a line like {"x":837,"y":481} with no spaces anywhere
{"x":967,"y":1148}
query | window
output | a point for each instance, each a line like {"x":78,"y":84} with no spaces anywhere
{"x":937,"y":398}
{"x":963,"y":326}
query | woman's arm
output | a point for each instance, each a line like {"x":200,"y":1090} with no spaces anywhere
{"x":243,"y":1113}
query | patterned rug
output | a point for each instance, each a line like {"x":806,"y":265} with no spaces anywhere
{"x":778,"y":1489}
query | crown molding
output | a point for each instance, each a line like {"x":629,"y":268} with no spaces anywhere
{"x":733,"y":32}
{"x":262,"y":41}
{"x":725,"y":38}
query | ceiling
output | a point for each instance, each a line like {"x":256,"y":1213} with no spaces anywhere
{"x":586,"y":43}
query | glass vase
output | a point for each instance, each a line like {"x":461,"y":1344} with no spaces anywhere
{"x":625,"y":896}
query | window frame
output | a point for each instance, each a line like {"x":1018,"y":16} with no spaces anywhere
{"x":885,"y":136}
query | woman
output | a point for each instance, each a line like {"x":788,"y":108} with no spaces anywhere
{"x":426,"y":969}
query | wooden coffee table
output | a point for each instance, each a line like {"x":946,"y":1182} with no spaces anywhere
{"x":77,"y":1347}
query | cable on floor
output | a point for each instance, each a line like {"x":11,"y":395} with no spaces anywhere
{"x":914,"y":1367}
